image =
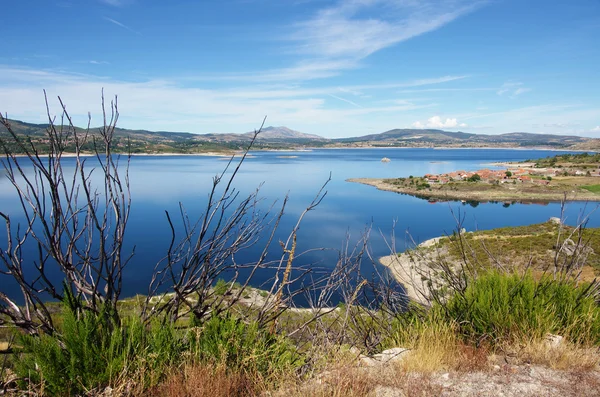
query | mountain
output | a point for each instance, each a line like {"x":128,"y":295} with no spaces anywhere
{"x":284,"y":133}
{"x":143,"y":141}
{"x":432,"y":137}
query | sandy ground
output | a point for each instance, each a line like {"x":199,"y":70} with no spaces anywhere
{"x":407,"y":270}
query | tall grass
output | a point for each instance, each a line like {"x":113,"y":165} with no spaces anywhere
{"x":244,"y":347}
{"x":92,"y":352}
{"x":498,"y":306}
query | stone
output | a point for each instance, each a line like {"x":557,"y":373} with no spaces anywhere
{"x":555,"y":220}
{"x":394,"y":354}
{"x":554,"y":340}
{"x":386,"y":356}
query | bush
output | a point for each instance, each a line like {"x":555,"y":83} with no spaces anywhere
{"x":93,"y":352}
{"x":498,"y":306}
{"x":239,"y":346}
{"x":474,"y":178}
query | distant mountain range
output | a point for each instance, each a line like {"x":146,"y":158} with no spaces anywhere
{"x":143,"y":141}
{"x":430,"y":137}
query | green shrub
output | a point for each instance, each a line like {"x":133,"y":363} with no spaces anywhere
{"x":225,"y":340}
{"x":92,"y":352}
{"x":498,"y":306}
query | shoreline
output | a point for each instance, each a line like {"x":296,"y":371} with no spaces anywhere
{"x":407,"y":270}
{"x":479,"y":196}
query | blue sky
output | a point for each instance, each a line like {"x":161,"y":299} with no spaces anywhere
{"x":334,"y":68}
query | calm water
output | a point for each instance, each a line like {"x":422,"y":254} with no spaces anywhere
{"x":160,"y":183}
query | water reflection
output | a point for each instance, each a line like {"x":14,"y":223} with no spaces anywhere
{"x":159,"y":184}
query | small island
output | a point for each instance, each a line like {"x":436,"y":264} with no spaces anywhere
{"x":570,"y":177}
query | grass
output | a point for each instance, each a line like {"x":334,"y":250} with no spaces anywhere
{"x":499,"y":316}
{"x":592,"y":188}
{"x":522,"y":246}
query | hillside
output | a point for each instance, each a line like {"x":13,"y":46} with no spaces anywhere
{"x":432,"y":137}
{"x":273,"y":138}
{"x":143,"y":141}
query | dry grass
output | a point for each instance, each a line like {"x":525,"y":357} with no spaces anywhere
{"x":203,"y":381}
{"x":352,"y":381}
{"x":565,"y":356}
{"x":436,"y":346}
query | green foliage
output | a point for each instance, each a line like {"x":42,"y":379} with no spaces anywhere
{"x":474,"y":178}
{"x":221,"y":287}
{"x":498,"y":306}
{"x":592,"y":188}
{"x":92,"y":351}
{"x":243,"y":346}
{"x":508,"y":173}
{"x":579,"y":158}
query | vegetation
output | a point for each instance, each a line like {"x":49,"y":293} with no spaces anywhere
{"x":198,"y":334}
{"x":578,"y":159}
{"x":592,"y":188}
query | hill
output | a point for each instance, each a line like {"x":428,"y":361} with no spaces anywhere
{"x":144,"y":141}
{"x":273,"y":138}
{"x":433,"y":137}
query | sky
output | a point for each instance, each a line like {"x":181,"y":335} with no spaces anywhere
{"x":333,"y":68}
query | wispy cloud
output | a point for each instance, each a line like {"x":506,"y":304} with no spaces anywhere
{"x":163,"y":104}
{"x":345,"y":100}
{"x":122,"y":25}
{"x":512,"y":89}
{"x":416,"y":91}
{"x":116,"y":3}
{"x":337,"y":38}
{"x":354,"y":29}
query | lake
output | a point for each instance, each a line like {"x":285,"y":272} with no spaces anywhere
{"x":159,"y":183}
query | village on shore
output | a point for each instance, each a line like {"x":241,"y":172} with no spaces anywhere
{"x":516,"y":174}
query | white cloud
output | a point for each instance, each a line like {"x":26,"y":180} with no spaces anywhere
{"x":437,"y":122}
{"x":339,"y":31}
{"x":340,"y":36}
{"x":596,"y":129}
{"x":168,"y":105}
{"x":521,"y":90}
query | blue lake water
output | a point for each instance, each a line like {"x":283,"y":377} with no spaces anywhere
{"x":159,"y":183}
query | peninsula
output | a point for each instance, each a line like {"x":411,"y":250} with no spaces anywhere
{"x":570,"y":177}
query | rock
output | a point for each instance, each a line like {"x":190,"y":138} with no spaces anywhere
{"x":554,"y":340}
{"x":555,"y":220}
{"x":386,"y":356}
{"x":445,"y":376}
{"x":385,"y":160}
{"x":367,"y":361}
{"x":394,"y":354}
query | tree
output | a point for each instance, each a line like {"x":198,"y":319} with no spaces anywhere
{"x":474,"y":178}
{"x":76,"y":219}
{"x":76,"y":228}
{"x":508,"y":173}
